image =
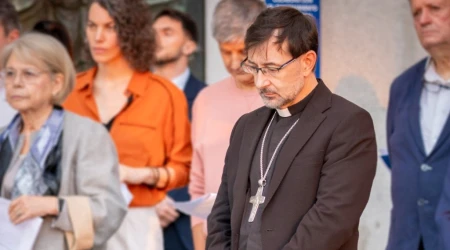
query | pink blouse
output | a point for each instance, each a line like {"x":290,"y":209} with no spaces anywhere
{"x":216,"y":110}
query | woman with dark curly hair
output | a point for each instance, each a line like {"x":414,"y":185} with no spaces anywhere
{"x":145,"y":114}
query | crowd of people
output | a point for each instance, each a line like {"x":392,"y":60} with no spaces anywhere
{"x":292,"y":163}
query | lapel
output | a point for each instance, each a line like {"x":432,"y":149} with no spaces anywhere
{"x":414,"y":109}
{"x":252,"y":133}
{"x":442,"y":137}
{"x":6,"y":156}
{"x":68,"y":152}
{"x":189,"y":90}
{"x":84,"y":87}
{"x":309,"y":121}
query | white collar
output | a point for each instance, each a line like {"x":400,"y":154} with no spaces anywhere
{"x":431,"y":75}
{"x":181,"y":80}
{"x":284,"y":112}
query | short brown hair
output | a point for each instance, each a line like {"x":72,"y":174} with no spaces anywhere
{"x":297,"y":29}
{"x":134,"y":28}
{"x":188,"y":24}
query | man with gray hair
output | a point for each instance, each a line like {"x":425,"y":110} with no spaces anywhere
{"x":220,"y":105}
{"x":9,"y":31}
{"x":418,"y":137}
{"x":231,"y":20}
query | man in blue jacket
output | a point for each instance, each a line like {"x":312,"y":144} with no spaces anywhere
{"x":177,"y":38}
{"x":418,"y":133}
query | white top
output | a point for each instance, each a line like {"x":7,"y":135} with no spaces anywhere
{"x":434,"y":106}
{"x":181,"y":80}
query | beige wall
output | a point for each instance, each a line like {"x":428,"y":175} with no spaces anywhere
{"x":364,"y":45}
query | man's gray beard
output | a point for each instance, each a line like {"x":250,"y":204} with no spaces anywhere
{"x":281,"y":101}
{"x":272,"y":105}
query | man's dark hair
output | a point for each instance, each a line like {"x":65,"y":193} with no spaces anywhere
{"x":297,"y":29}
{"x":8,"y":17}
{"x":188,"y":24}
{"x":56,"y":30}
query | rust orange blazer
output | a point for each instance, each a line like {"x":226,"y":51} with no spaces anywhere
{"x":153,"y":131}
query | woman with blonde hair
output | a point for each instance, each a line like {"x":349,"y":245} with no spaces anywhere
{"x":55,"y":164}
{"x":146,"y":115}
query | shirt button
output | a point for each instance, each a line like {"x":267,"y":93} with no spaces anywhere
{"x":425,"y":168}
{"x":421,"y":202}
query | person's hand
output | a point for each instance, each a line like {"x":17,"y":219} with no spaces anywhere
{"x":199,"y":237}
{"x":28,"y":207}
{"x":135,"y":176}
{"x":166,"y":212}
{"x":123,"y":172}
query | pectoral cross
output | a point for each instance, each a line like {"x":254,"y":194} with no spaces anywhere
{"x":256,"y":201}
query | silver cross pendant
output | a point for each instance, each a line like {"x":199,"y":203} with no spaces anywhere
{"x":256,"y":201}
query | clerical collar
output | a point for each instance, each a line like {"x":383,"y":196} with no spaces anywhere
{"x":296,"y":108}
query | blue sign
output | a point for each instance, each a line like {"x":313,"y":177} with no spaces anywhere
{"x":311,"y":7}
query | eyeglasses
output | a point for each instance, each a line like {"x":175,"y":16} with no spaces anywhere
{"x":272,"y":71}
{"x":26,"y":75}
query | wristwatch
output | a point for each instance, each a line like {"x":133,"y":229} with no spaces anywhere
{"x":60,"y":205}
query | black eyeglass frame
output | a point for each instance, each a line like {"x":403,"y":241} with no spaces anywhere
{"x":273,"y":69}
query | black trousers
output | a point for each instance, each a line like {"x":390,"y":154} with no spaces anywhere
{"x":421,"y":245}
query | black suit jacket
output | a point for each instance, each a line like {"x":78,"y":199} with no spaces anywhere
{"x":320,"y":185}
{"x":178,"y":235}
